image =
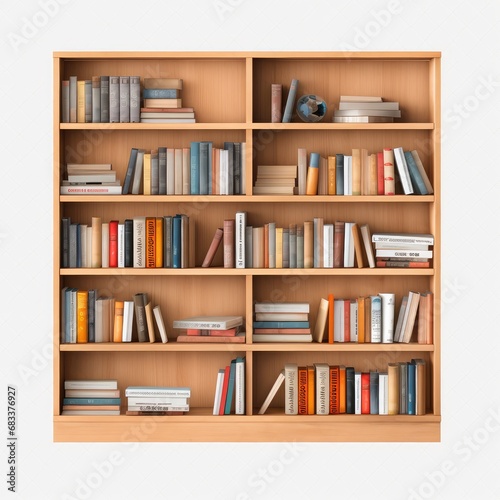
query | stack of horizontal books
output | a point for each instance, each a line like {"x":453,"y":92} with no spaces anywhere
{"x":91,"y":397}
{"x":154,"y":400}
{"x":366,"y":109}
{"x":211,"y":329}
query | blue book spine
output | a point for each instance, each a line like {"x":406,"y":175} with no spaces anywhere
{"x":411,"y":393}
{"x":91,"y":401}
{"x":195,"y":167}
{"x":230,"y":388}
{"x":91,"y":314}
{"x":160,"y":93}
{"x":130,"y":170}
{"x":281,"y":324}
{"x":229,"y":146}
{"x":287,"y":114}
{"x":176,"y":242}
{"x":416,"y":178}
{"x":203,"y":168}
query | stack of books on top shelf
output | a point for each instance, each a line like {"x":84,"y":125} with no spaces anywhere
{"x":90,"y":178}
{"x":282,"y":322}
{"x":211,"y":329}
{"x":276,"y":179}
{"x":163,"y":103}
{"x":322,"y":389}
{"x":366,"y":109}
{"x":91,"y":397}
{"x":230,"y":389}
{"x":403,"y":249}
{"x":153,"y":400}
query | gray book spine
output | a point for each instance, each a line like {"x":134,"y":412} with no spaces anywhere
{"x":96,"y":99}
{"x":300,"y":247}
{"x":91,"y":314}
{"x":137,"y":180}
{"x":271,"y":248}
{"x":72,"y":98}
{"x":230,"y":166}
{"x":248,"y":247}
{"x":162,"y":170}
{"x":104,"y":99}
{"x":155,"y":180}
{"x":65,"y":101}
{"x":286,"y":248}
{"x":135,"y":99}
{"x":292,"y":236}
{"x":114,"y":99}
{"x":167,"y":241}
{"x":124,"y":99}
{"x":88,"y":101}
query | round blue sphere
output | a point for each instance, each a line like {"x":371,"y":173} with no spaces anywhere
{"x":311,"y":108}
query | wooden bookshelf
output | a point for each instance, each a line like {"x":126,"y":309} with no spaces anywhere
{"x":230,"y":92}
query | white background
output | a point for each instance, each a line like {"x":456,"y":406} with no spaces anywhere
{"x":466,"y":462}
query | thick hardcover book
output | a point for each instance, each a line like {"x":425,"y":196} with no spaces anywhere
{"x":403,"y":171}
{"x":411,"y":389}
{"x":73,"y":91}
{"x":281,"y":307}
{"x":388,"y":302}
{"x":113,"y":243}
{"x":65,"y":101}
{"x":376,"y":319}
{"x":321,"y":319}
{"x":303,"y":387}
{"x":160,"y":93}
{"x":195,"y":167}
{"x":212,"y":339}
{"x":322,"y":388}
{"x":96,"y":99}
{"x":334,"y":390}
{"x":80,"y":101}
{"x":281,"y":324}
{"x":91,"y":401}
{"x":114,"y":99}
{"x":417,"y":181}
{"x":282,"y":337}
{"x":104,"y":99}
{"x":421,"y":170}
{"x":157,"y":391}
{"x":403,"y":388}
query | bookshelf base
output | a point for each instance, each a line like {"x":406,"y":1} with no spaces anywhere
{"x":256,"y":428}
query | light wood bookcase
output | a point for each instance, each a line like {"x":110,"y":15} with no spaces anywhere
{"x":230,"y":93}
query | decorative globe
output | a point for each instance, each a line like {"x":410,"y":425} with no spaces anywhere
{"x":311,"y":108}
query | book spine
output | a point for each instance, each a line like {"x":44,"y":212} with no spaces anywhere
{"x":388,"y":303}
{"x":365,"y":393}
{"x":287,"y":114}
{"x":276,"y":97}
{"x":124,"y":99}
{"x":104,"y":99}
{"x":195,"y":168}
{"x":139,"y":242}
{"x":374,"y":392}
{"x":291,"y":389}
{"x":88,"y":101}
{"x":302,"y":396}
{"x":322,"y":389}
{"x":376,"y":319}
{"x":228,"y":242}
{"x":212,"y":250}
{"x":160,"y":93}
{"x":302,"y":170}
{"x":114,"y":99}
{"x":312,"y":175}
{"x":350,"y":391}
{"x":135,"y":99}
{"x":96,"y":99}
{"x":240,"y":232}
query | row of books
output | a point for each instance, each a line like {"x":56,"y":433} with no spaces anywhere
{"x":324,"y":389}
{"x":155,"y":400}
{"x":360,"y":173}
{"x":91,"y":397}
{"x":117,"y":99}
{"x":88,"y":316}
{"x":281,"y":322}
{"x":142,"y":242}
{"x":372,"y":319}
{"x":229,"y":395}
{"x":314,"y":244}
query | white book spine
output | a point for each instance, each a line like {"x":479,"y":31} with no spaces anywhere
{"x":338,"y":315}
{"x":240,"y":234}
{"x":291,"y":389}
{"x":376,"y":319}
{"x":328,"y":245}
{"x":354,"y":320}
{"x":239,"y":386}
{"x":272,"y":245}
{"x":121,"y":245}
{"x":302,"y":170}
{"x":322,"y":389}
{"x":388,"y":302}
{"x":218,"y":391}
{"x":170,"y":171}
{"x":383,"y":394}
{"x":357,"y":393}
{"x":139,"y":239}
{"x":402,"y":167}
{"x":105,"y":244}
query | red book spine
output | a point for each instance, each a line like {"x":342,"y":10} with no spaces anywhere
{"x":228,"y":245}
{"x":302,"y":390}
{"x":334,"y":390}
{"x":365,"y":393}
{"x":224,"y":390}
{"x":380,"y":173}
{"x":113,"y":243}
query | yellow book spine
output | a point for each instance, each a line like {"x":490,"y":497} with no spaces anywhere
{"x":82,"y":334}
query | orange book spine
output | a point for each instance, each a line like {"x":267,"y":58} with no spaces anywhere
{"x":312,"y":175}
{"x":361,"y":320}
{"x":212,"y":250}
{"x":159,"y":242}
{"x":342,"y":389}
{"x":150,"y":241}
{"x":113,"y":243}
{"x":303,"y":387}
{"x":82,"y":335}
{"x":311,"y":384}
{"x":118,"y":321}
